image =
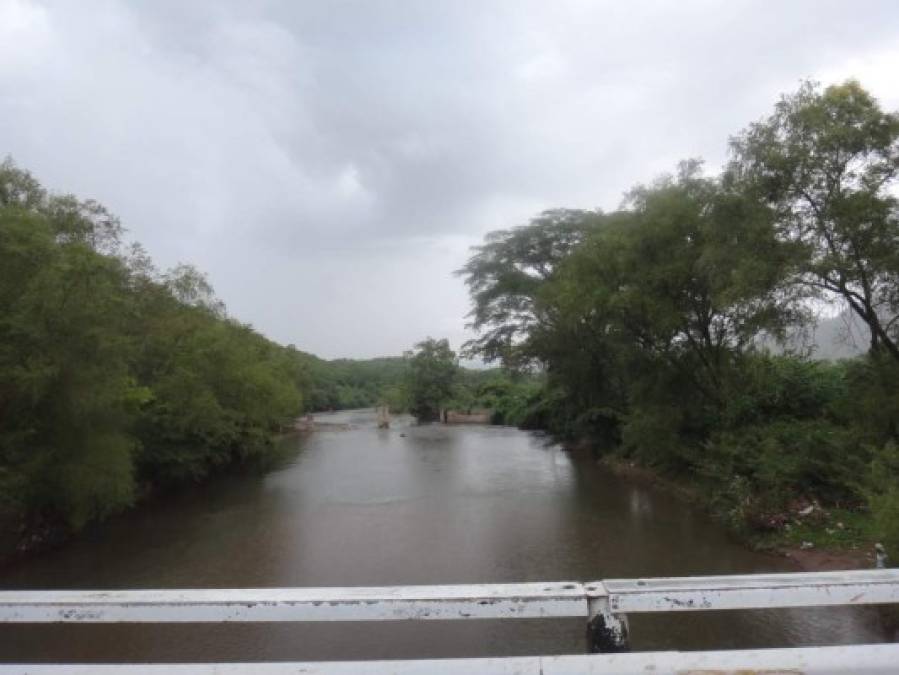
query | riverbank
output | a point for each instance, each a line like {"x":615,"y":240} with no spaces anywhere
{"x":21,"y":540}
{"x":813,"y":538}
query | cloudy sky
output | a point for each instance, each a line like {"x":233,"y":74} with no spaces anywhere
{"x":329,"y":163}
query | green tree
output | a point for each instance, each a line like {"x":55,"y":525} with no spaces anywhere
{"x":433,"y":369}
{"x":652,"y":323}
{"x":113,"y":377}
{"x":505,"y":274}
{"x":827,"y":162}
{"x":219,"y":390}
{"x":644,"y":322}
{"x":66,"y":393}
{"x":688,"y":292}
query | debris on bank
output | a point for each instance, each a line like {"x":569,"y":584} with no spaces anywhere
{"x":815,"y":538}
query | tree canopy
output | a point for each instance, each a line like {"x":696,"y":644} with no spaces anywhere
{"x":654,"y":323}
{"x":433,"y":369}
{"x":505,"y":274}
{"x":827,"y":163}
{"x":116,"y":378}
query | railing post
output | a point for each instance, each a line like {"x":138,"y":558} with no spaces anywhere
{"x":606,"y":632}
{"x":880,"y":557}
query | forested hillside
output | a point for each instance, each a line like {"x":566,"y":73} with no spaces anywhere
{"x":342,"y":384}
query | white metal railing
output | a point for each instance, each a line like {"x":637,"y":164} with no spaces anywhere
{"x":603,"y":604}
{"x":858,"y":660}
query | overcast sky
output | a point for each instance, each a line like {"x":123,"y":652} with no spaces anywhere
{"x":329,"y":163}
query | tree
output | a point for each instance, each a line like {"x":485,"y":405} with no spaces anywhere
{"x":827,"y":163}
{"x":689,"y":292}
{"x":19,"y":188}
{"x":647,"y":315}
{"x":433,"y":369}
{"x":113,"y":377}
{"x":66,"y":393}
{"x":505,"y":274}
{"x":650,"y":322}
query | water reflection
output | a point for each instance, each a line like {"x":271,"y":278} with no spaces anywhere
{"x":408,"y":505}
{"x":640,"y":504}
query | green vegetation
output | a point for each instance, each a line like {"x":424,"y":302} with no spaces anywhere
{"x":651,"y":324}
{"x":434,"y":382}
{"x":116,"y":379}
{"x":506,"y":394}
{"x":432,"y":373}
{"x":344,"y":384}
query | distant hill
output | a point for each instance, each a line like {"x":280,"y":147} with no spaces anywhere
{"x":838,"y":337}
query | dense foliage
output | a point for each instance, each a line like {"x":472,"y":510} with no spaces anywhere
{"x":115,"y":378}
{"x":506,"y":394}
{"x":431,"y":377}
{"x":344,"y":384}
{"x":652,"y":324}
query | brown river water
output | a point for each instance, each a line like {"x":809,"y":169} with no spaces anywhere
{"x":407,"y":505}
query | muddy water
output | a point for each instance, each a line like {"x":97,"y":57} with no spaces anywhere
{"x":408,"y":505}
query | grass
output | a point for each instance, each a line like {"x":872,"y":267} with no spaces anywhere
{"x":834,"y":529}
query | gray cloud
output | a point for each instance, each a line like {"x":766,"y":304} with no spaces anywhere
{"x":329,"y":163}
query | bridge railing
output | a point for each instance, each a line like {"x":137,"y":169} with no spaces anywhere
{"x":604,"y":605}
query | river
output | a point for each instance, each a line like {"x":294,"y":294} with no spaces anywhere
{"x":407,"y":505}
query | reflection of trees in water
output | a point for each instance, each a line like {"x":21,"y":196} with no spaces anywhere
{"x":640,"y":503}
